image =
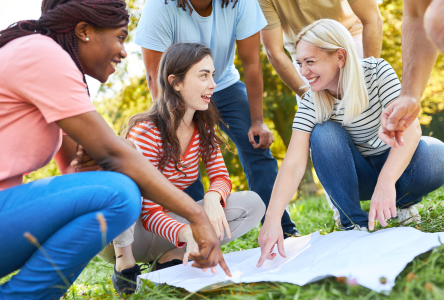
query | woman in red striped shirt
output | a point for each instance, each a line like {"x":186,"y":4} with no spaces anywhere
{"x":174,"y":134}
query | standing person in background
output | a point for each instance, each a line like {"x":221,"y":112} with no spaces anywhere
{"x":422,"y":31}
{"x":220,"y":27}
{"x":287,"y":18}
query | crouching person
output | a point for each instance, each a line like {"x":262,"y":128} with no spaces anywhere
{"x":338,"y":119}
{"x":173,"y":135}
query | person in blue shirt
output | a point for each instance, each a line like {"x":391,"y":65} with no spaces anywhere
{"x":220,"y":25}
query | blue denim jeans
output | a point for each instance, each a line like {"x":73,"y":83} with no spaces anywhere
{"x":349,"y":178}
{"x":61,"y":212}
{"x":259,"y":165}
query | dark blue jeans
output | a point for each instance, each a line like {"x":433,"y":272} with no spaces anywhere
{"x":259,"y":165}
{"x":61,"y":212}
{"x":349,"y":178}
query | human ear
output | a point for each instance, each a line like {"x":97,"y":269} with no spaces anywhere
{"x":171,"y":81}
{"x":83,"y":31}
{"x":342,"y":57}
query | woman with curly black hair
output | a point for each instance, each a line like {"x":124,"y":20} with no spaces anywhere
{"x":42,"y":92}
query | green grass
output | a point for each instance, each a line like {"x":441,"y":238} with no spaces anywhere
{"x":423,"y":278}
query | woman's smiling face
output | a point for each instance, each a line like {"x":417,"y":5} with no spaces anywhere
{"x":198,"y":85}
{"x":320,"y":68}
{"x":103,"y":51}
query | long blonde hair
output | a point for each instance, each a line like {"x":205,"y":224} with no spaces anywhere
{"x":329,"y":36}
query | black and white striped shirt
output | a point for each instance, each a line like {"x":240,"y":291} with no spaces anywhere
{"x":383,"y":87}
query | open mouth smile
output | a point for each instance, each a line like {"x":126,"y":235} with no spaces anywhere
{"x":313,"y":80}
{"x":206,"y":98}
{"x":114,"y":63}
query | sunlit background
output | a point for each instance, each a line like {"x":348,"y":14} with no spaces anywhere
{"x":12,"y":11}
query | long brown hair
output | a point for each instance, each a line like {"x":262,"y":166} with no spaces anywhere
{"x":60,"y":17}
{"x":169,"y":109}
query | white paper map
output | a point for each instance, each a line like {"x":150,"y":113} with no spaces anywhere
{"x":358,"y":255}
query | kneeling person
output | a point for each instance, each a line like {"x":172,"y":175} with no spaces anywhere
{"x":338,"y":120}
{"x":177,"y":131}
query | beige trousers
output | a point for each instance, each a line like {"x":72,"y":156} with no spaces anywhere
{"x":243,"y":210}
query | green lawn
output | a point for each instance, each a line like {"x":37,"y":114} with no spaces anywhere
{"x":422,"y":279}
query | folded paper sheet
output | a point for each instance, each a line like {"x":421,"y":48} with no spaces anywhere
{"x":358,"y":255}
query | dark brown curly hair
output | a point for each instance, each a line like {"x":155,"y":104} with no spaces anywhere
{"x":169,"y":108}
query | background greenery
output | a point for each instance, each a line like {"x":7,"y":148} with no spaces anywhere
{"x":123,"y":96}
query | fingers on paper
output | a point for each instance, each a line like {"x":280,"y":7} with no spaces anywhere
{"x":266,"y":253}
{"x":280,"y":247}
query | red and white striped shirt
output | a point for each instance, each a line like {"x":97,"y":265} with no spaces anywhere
{"x":148,"y":140}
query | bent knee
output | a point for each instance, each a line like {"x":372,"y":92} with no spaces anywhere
{"x":328,"y":136}
{"x":327,"y":130}
{"x":251,"y":202}
{"x":127,"y":194}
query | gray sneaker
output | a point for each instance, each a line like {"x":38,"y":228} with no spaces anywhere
{"x":409,"y":215}
{"x":126,"y":280}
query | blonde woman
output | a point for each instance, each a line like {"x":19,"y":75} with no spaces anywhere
{"x":338,"y":119}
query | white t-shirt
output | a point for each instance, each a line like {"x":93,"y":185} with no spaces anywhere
{"x":383,"y":87}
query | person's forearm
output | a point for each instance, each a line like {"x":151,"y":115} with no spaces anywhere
{"x":418,"y":57}
{"x":434,"y":23}
{"x":287,"y":72}
{"x":151,"y":60}
{"x":65,"y":155}
{"x":399,"y":158}
{"x":212,"y":196}
{"x":285,"y":186}
{"x":372,"y":38}
{"x":255,"y":88}
{"x":152,"y":85}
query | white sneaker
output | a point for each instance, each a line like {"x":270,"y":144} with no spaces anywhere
{"x":408,"y":215}
{"x":357,"y":227}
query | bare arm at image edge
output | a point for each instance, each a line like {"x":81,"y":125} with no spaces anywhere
{"x":434,"y":23}
{"x":249,"y":53}
{"x":368,"y":12}
{"x":273,"y":41}
{"x":418,"y":56}
{"x":151,"y":59}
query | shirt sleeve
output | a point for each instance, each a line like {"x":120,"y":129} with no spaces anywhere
{"x":305,"y":119}
{"x":389,"y":86}
{"x":250,"y":19}
{"x":270,"y":14}
{"x":155,"y":28}
{"x":154,"y":219}
{"x":218,"y":174}
{"x":44,"y":75}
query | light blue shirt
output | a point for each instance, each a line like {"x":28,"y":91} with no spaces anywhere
{"x":162,"y":25}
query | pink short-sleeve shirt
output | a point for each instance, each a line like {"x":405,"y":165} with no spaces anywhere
{"x":39,"y":84}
